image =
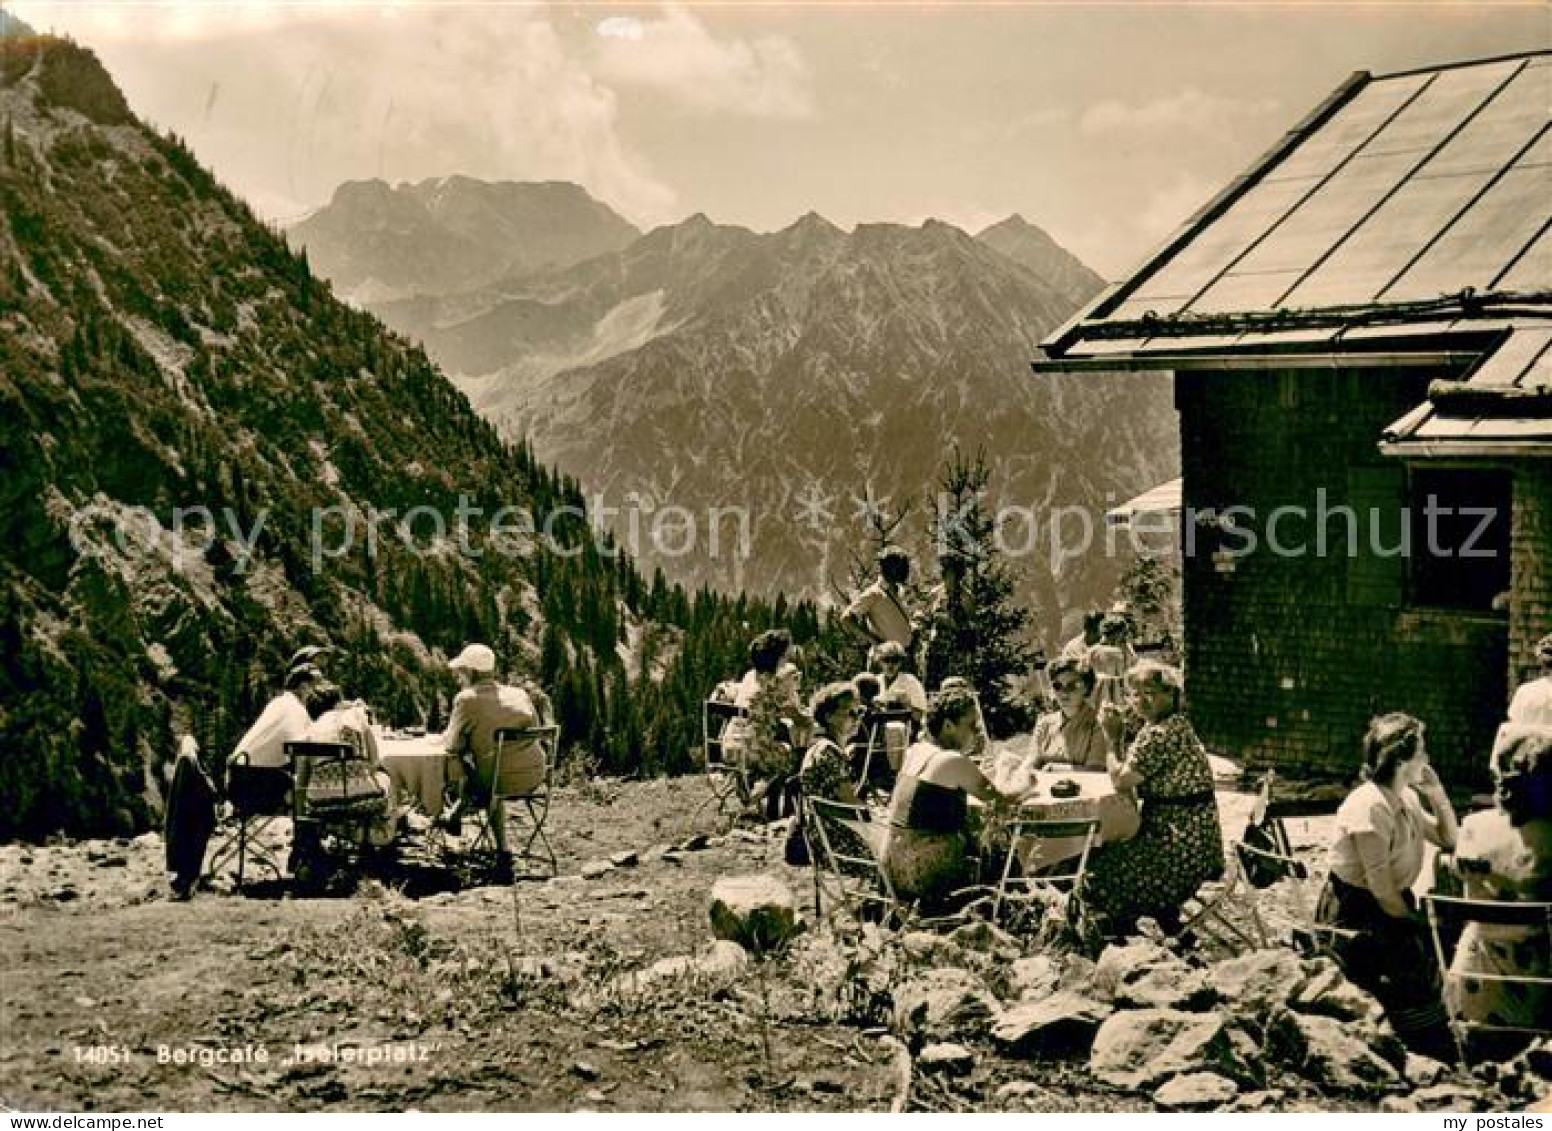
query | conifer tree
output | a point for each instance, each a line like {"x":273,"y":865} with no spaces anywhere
{"x":975,"y":628}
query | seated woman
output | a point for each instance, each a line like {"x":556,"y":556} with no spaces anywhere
{"x":360,"y":785}
{"x":1376,"y":856}
{"x":1070,"y":734}
{"x":928,"y":848}
{"x":777,"y":725}
{"x":1505,"y":853}
{"x":826,"y":769}
{"x":1179,"y":844}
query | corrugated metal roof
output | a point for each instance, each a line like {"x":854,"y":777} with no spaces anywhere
{"x":1398,"y":190}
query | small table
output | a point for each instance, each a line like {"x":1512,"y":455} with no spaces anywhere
{"x":1095,"y":797}
{"x":419,"y":768}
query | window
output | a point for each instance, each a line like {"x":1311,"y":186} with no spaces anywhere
{"x":1459,"y":546}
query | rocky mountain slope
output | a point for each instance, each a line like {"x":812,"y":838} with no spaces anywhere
{"x":195,"y":437}
{"x":790,"y":374}
{"x":450,"y":234}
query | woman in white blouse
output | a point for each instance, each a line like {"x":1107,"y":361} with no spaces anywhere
{"x":1376,"y":855}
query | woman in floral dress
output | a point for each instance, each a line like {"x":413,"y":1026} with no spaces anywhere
{"x":1180,"y":844}
{"x":826,"y":771}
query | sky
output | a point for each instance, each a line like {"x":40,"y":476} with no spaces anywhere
{"x":1107,"y":124}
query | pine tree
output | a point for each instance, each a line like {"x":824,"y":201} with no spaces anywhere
{"x":975,"y":628}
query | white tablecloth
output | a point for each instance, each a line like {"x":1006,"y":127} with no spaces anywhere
{"x":417,"y":767}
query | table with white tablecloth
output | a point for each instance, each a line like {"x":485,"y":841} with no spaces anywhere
{"x":419,"y":768}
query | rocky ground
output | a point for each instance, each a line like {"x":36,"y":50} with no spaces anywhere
{"x":603,"y":988}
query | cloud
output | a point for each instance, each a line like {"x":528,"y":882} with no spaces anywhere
{"x":621,"y":27}
{"x":676,"y":56}
{"x":313,"y":95}
{"x":1187,"y":111}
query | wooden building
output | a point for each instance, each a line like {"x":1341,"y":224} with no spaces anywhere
{"x":1360,"y":329}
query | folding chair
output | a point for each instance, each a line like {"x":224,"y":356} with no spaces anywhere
{"x":847,"y":867}
{"x":334,"y":797}
{"x":875,"y":743}
{"x":1226,"y":909}
{"x":1066,"y":874}
{"x":1535,"y":919}
{"x":524,"y":782}
{"x":720,"y":723}
{"x":254,"y":802}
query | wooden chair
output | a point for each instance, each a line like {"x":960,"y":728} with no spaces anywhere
{"x":254,"y":802}
{"x":526,"y":785}
{"x":1066,"y":875}
{"x":1447,"y":915}
{"x":844,"y":845}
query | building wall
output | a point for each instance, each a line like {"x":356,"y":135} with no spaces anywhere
{"x":1288,"y":656}
{"x":1530,"y":612}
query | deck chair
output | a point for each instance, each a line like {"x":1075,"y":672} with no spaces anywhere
{"x":335,"y":800}
{"x":1446,"y":915}
{"x":720,"y":721}
{"x":875,"y":740}
{"x":846,"y":867}
{"x":526,"y":784}
{"x":255,"y":802}
{"x":1067,"y":875}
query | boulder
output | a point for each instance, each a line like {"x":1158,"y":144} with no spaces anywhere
{"x":759,"y":912}
{"x":1164,"y":987}
{"x":946,"y":1058}
{"x":722,"y":959}
{"x":1326,"y":992}
{"x":928,"y":948}
{"x":1337,"y":1057}
{"x":1018,"y":1090}
{"x":1423,"y":1071}
{"x":1140,"y":1048}
{"x":1196,"y":1091}
{"x":1060,"y":1024}
{"x":1437,"y":1100}
{"x":1120,"y":964}
{"x":1029,"y":979}
{"x":944,"y":1003}
{"x":626,"y":859}
{"x":595,"y":869}
{"x":1255,"y":985}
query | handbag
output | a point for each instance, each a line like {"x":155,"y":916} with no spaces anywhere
{"x":796,"y":851}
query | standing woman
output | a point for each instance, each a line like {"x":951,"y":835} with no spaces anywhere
{"x":1179,"y":844}
{"x":1376,"y":856}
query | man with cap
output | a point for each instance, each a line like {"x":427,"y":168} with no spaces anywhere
{"x":1532,"y":702}
{"x":479,"y":710}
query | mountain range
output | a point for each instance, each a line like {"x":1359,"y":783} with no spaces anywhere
{"x":800,"y":377}
{"x":196,"y":438}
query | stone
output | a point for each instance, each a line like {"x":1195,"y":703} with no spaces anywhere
{"x":594,"y":869}
{"x":585,"y":1070}
{"x":1333,"y":1055}
{"x":694,"y":843}
{"x":722,"y":959}
{"x":947,"y":1058}
{"x":1120,"y":964}
{"x":626,"y":859}
{"x":1062,"y":1024}
{"x":1033,"y":978}
{"x":1326,"y":992}
{"x":943,"y":1003}
{"x":926,"y":947}
{"x":1167,"y":988}
{"x":1257,"y":984}
{"x":759,"y":912}
{"x":1018,"y":1090}
{"x":1140,"y":1048}
{"x":1196,"y":1091}
{"x":1437,"y":1100}
{"x":986,"y":938}
{"x":1423,"y":1071}
{"x":1268,"y":1100}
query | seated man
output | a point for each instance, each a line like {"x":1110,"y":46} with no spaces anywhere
{"x":262,"y":749}
{"x":479,"y":710}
